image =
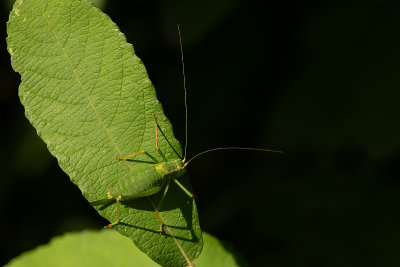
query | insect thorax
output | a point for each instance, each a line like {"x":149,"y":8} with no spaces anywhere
{"x":171,"y":169}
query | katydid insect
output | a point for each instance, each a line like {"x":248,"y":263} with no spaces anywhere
{"x":161,"y":174}
{"x":150,"y":181}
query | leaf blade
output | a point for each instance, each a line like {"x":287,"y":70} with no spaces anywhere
{"x":90,"y":100}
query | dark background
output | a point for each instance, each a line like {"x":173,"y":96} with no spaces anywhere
{"x":316,"y":79}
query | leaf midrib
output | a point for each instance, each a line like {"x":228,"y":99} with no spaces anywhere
{"x":90,"y":102}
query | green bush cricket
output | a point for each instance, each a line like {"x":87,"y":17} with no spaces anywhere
{"x":153,"y":180}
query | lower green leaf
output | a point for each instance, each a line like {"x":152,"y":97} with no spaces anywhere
{"x":108,"y":248}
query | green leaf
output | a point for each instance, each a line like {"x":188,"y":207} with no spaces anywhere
{"x":90,"y":100}
{"x":106,"y":248}
{"x":87,"y":248}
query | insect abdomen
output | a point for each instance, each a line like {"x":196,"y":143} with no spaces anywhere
{"x":148,"y":182}
{"x":137,"y":186}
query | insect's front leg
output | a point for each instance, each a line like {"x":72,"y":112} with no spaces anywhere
{"x":156,"y":129}
{"x":137,"y":153}
{"x":156,"y":126}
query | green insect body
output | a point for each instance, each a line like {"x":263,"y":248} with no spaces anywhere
{"x":148,"y":182}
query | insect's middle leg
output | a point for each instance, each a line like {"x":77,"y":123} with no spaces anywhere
{"x":118,"y":199}
{"x":157,"y":209}
{"x":159,"y":206}
{"x":187,"y":192}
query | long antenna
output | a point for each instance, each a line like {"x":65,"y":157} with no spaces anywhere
{"x":186,"y":118}
{"x":184,"y":87}
{"x":232,"y":148}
